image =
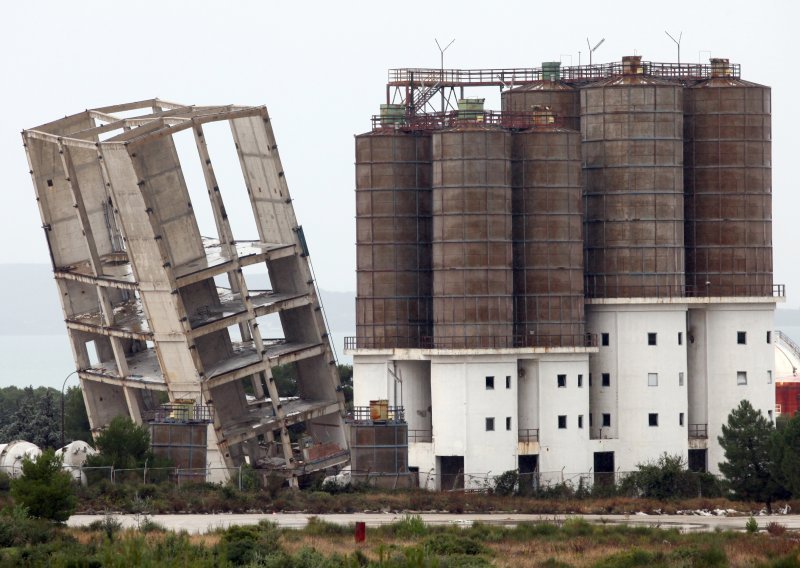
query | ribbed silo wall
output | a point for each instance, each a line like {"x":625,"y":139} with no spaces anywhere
{"x":563,"y":100}
{"x":632,"y":129}
{"x":728,"y":183}
{"x":393,"y":239}
{"x":472,"y":249}
{"x":548,"y":237}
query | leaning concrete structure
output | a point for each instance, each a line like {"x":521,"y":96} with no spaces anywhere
{"x":152,"y":306}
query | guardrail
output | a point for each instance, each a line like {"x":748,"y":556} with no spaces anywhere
{"x":473,"y":342}
{"x":698,"y":431}
{"x":527,"y":435}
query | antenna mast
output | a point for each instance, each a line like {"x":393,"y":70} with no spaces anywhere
{"x":677,"y":42}
{"x":592,"y":49}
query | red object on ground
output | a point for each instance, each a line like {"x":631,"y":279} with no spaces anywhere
{"x":361,"y":531}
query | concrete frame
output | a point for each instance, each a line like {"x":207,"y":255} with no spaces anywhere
{"x":136,"y":278}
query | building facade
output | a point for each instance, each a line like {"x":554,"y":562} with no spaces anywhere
{"x":575,"y":284}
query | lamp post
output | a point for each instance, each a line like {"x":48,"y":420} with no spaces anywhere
{"x":63,"y":386}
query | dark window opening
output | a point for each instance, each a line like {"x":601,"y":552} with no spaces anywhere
{"x":580,"y":380}
{"x":489,"y":383}
{"x":680,"y":338}
{"x":651,"y":338}
{"x":741,"y":337}
{"x":490,"y":424}
{"x":580,"y":420}
{"x":769,"y":337}
{"x":606,"y":379}
{"x":604,"y":339}
{"x":652,"y":419}
{"x":562,"y":422}
{"x":562,"y":381}
{"x":606,"y":420}
{"x":508,"y":423}
{"x":508,"y":381}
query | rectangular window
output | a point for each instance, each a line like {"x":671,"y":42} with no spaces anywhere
{"x":652,"y":419}
{"x":590,"y":420}
{"x":606,"y":420}
{"x":769,"y":337}
{"x":651,"y":338}
{"x":741,"y":337}
{"x":590,"y":379}
{"x":604,"y":339}
{"x":741,"y":377}
{"x":580,"y":380}
{"x":680,"y":338}
{"x":652,"y":379}
{"x":562,"y":422}
{"x":769,"y":377}
{"x":580,"y":420}
{"x":508,"y":381}
{"x":508,"y":423}
{"x":562,"y":381}
{"x":680,"y":418}
{"x":606,"y":380}
{"x":490,"y":424}
{"x":680,"y":379}
{"x":489,"y":383}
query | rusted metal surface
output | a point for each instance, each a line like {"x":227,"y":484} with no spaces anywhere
{"x":393,"y":238}
{"x":563,"y":101}
{"x":472,"y":252}
{"x":513,"y":120}
{"x":728,"y":185}
{"x":632,"y":128}
{"x":548,"y":238}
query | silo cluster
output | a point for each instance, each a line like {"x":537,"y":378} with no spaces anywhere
{"x":480,"y":234}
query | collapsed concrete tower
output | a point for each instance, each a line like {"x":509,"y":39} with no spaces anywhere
{"x":152,"y":306}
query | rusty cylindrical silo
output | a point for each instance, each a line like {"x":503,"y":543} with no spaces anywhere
{"x":632,"y":129}
{"x":393,"y":236}
{"x":550,"y":92}
{"x":472,"y":252}
{"x":548,"y":237}
{"x":728,"y":183}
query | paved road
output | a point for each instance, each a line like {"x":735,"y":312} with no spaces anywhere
{"x":205,"y":523}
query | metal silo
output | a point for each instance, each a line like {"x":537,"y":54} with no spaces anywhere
{"x":548,"y":237}
{"x":632,"y":129}
{"x":472,"y":252}
{"x":550,"y":92}
{"x":728,"y":186}
{"x":393,"y":225}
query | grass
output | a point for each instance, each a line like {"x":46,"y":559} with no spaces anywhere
{"x":407,"y":542}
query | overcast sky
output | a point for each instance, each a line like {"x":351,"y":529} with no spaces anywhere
{"x":320,"y":67}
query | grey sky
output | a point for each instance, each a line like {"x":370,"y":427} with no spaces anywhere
{"x":320,"y":67}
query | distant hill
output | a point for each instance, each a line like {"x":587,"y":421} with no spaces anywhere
{"x":29,"y":303}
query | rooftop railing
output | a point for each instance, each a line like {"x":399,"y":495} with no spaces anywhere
{"x":473,"y":342}
{"x":508,"y":77}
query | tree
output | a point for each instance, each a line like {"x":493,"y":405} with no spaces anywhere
{"x":123,"y":444}
{"x":748,"y":467}
{"x":76,"y":422}
{"x":36,"y":418}
{"x":785,"y":454}
{"x":44,"y":488}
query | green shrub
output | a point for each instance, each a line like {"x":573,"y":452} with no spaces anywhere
{"x":449,"y":543}
{"x":751,"y":525}
{"x":44,"y":488}
{"x":507,"y":483}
